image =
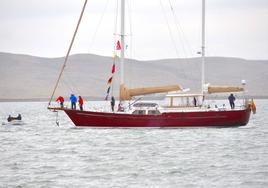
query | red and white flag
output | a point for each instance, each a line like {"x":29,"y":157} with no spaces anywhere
{"x":113,"y":68}
{"x":118,"y":45}
{"x":110,"y":80}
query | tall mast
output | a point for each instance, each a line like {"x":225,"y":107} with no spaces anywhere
{"x":122,"y":55}
{"x":203,"y":45}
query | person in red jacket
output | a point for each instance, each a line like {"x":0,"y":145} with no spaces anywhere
{"x":61,"y":100}
{"x":81,"y":102}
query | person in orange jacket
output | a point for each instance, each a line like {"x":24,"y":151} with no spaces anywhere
{"x":61,"y":100}
{"x":81,"y":102}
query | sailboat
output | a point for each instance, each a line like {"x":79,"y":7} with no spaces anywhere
{"x":179,"y":112}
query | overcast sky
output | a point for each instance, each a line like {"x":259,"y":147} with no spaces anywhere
{"x":235,"y":28}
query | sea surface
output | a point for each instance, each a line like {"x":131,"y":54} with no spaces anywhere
{"x":42,"y":154}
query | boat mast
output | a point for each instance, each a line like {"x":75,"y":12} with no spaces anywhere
{"x":122,"y":55}
{"x":203,"y":46}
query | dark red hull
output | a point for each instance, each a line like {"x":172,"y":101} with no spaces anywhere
{"x":170,"y":119}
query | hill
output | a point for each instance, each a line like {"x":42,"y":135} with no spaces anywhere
{"x":30,"y":77}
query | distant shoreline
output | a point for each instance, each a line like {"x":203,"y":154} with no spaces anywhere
{"x":30,"y":78}
{"x":101,"y":99}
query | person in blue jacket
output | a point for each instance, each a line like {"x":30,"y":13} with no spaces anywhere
{"x":73,"y":100}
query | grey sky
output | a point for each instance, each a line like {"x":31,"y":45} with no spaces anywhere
{"x":236,"y":28}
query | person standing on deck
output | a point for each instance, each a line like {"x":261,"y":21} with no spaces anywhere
{"x":73,"y":100}
{"x":231,"y":99}
{"x":61,"y":100}
{"x":81,"y":102}
{"x":195,"y":102}
{"x":120,"y":108}
{"x":112,"y":103}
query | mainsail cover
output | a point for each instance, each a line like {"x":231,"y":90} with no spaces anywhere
{"x":126,"y":94}
{"x":223,"y":89}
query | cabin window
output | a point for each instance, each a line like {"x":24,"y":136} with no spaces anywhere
{"x":153,"y":112}
{"x":139,"y":112}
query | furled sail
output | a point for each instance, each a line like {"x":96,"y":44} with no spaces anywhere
{"x":126,"y":94}
{"x":223,"y":89}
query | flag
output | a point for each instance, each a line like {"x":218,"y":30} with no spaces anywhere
{"x":113,"y":68}
{"x":108,"y":90}
{"x":116,"y":56}
{"x":110,"y":80}
{"x":252,"y":106}
{"x":106,"y":98}
{"x":118,"y":45}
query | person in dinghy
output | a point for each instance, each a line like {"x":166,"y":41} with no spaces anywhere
{"x":10,"y":118}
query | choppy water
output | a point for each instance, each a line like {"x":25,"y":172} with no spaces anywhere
{"x":41,"y":154}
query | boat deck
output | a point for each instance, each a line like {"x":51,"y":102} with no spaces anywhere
{"x":161,"y":109}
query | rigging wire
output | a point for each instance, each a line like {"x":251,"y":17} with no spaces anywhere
{"x":180,"y":31}
{"x":67,"y":81}
{"x":186,"y":47}
{"x":98,"y":25}
{"x":71,"y":84}
{"x":182,"y":36}
{"x":68,"y":52}
{"x":57,"y":119}
{"x":172,"y":37}
{"x":169,"y":29}
{"x":115,"y":23}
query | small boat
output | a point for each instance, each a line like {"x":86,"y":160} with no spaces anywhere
{"x":14,"y":120}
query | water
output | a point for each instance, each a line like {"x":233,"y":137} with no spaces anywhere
{"x":41,"y":154}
